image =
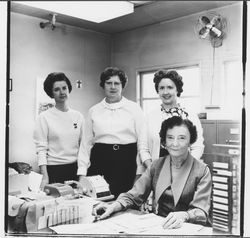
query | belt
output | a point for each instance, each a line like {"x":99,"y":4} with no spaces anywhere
{"x":116,"y":146}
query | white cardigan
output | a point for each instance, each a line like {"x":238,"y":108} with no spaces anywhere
{"x":151,"y":136}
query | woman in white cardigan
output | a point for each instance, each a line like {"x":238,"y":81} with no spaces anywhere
{"x":169,"y":86}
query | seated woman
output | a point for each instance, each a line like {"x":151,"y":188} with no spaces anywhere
{"x":181,"y":185}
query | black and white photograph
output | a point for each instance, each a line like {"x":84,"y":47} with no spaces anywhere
{"x":125,"y":118}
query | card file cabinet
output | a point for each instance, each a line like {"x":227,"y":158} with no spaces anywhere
{"x":226,"y":188}
{"x":222,"y":154}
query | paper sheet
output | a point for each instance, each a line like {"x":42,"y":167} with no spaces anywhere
{"x":101,"y":227}
{"x":186,"y":229}
{"x":137,"y":223}
{"x":128,"y":223}
{"x":14,"y":204}
{"x":35,"y":180}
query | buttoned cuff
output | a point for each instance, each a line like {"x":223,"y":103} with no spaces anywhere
{"x":140,"y":169}
{"x":82,"y":171}
{"x":42,"y":160}
{"x":144,"y":156}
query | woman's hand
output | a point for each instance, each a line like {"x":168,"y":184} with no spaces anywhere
{"x":175,"y":220}
{"x":147,"y":163}
{"x":45,"y":180}
{"x":104,"y":210}
{"x":80,"y":187}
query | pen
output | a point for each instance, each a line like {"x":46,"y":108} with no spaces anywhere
{"x":97,"y":218}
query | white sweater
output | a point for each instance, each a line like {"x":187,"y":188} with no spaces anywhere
{"x":57,"y":136}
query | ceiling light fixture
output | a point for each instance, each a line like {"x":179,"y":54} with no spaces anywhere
{"x":95,"y":11}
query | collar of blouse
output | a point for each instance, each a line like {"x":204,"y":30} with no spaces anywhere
{"x":113,"y":106}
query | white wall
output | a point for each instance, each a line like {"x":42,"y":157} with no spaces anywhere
{"x":175,"y":43}
{"x":36,"y":52}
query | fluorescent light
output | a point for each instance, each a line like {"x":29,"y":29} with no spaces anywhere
{"x":95,"y":11}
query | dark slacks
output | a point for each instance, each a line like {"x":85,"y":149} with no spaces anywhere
{"x":61,"y":173}
{"x":117,"y":164}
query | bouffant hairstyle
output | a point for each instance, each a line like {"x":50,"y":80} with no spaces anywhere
{"x":177,"y":121}
{"x":113,"y":71}
{"x":171,"y":74}
{"x":51,"y":79}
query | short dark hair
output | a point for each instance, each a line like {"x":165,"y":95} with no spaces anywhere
{"x":171,"y":74}
{"x":51,"y":79}
{"x":177,"y":121}
{"x":113,"y":71}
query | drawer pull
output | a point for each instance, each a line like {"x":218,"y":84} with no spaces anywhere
{"x":233,"y":152}
{"x":232,"y":141}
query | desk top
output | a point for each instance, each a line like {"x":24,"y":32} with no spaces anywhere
{"x":131,"y":222}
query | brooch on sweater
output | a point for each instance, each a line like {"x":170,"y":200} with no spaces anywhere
{"x":75,"y":125}
{"x":175,"y":111}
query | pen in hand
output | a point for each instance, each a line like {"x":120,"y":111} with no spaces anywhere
{"x":97,"y":218}
{"x":97,"y":214}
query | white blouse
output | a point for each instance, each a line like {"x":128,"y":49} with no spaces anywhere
{"x":115,"y":123}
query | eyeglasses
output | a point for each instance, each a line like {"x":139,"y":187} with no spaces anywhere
{"x":113,"y":84}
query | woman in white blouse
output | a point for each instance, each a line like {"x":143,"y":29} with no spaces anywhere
{"x":113,"y":135}
{"x":169,"y":86}
{"x":58,"y":133}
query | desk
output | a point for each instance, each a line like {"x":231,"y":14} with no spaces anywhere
{"x":131,"y":222}
{"x":122,"y":223}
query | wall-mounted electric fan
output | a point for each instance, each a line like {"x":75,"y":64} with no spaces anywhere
{"x":212,"y":27}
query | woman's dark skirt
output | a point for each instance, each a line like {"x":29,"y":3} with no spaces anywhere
{"x":61,"y":173}
{"x":117,"y":164}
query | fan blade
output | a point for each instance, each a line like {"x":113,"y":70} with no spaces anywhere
{"x":53,"y":21}
{"x":216,"y":31}
{"x":203,"y":32}
{"x":204,"y":20}
{"x":215,"y":20}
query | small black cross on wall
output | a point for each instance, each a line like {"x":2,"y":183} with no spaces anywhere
{"x":79,"y":83}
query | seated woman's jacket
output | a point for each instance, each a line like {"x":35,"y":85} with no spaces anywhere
{"x":191,"y":191}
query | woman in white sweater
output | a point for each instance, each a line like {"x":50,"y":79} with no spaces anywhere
{"x":58,"y":133}
{"x":168,"y":85}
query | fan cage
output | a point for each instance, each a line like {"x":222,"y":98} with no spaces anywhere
{"x":221,"y":24}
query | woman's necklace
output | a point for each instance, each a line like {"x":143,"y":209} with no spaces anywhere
{"x":177,"y":163}
{"x":176,"y":166}
{"x":174,"y":170}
